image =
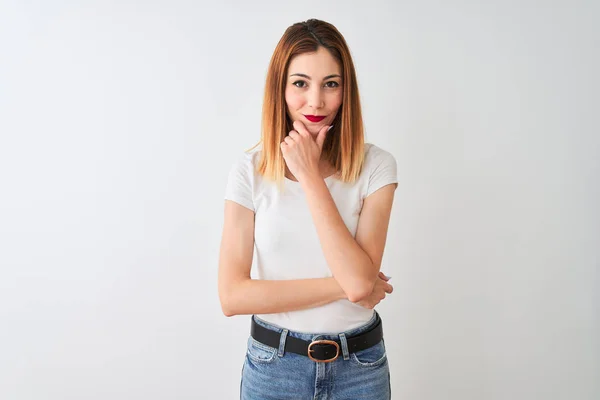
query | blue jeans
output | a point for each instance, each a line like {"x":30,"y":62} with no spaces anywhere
{"x":269,"y":373}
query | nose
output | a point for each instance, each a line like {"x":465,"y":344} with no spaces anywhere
{"x":315,"y":98}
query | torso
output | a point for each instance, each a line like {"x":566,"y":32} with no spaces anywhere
{"x":286,"y":243}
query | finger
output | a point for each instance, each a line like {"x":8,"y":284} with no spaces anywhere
{"x":389,"y":288}
{"x":383,"y":276}
{"x":294,"y":135}
{"x":301,"y":128}
{"x":321,"y":136}
{"x":289,"y":140}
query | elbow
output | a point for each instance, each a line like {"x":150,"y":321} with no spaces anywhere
{"x":361,"y":291}
{"x":226,"y":305}
{"x":227,"y":310}
{"x":230,"y":296}
{"x":362,"y":285}
{"x":358,"y":296}
{"x":228,"y":313}
{"x":227,"y":297}
{"x":355,"y":298}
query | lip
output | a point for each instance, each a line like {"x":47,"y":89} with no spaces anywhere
{"x":315,"y":118}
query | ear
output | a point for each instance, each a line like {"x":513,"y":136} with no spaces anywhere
{"x":321,"y":136}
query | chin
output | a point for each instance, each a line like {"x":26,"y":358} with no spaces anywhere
{"x":315,"y":128}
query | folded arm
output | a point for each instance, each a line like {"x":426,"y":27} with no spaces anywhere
{"x":239,"y":294}
{"x":354,"y":261}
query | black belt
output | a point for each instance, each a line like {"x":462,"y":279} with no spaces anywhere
{"x":318,"y":350}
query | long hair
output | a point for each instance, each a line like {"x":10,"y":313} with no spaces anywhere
{"x":344,"y":143}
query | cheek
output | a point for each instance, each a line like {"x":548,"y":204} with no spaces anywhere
{"x":293,"y":100}
{"x":335,"y":102}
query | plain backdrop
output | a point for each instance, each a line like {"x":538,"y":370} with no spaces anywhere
{"x":119,"y":121}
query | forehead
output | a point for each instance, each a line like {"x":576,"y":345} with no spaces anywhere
{"x":318,"y":64}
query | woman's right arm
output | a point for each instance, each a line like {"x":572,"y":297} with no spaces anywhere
{"x":239,"y":294}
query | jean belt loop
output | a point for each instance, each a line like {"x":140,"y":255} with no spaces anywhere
{"x":281,"y":351}
{"x":344,"y":346}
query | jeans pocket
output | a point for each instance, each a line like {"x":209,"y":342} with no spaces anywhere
{"x":371,"y":357}
{"x":260,"y":353}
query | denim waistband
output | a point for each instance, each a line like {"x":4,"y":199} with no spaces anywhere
{"x":315,"y":336}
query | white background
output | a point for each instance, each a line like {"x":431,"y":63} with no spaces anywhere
{"x":119,"y":121}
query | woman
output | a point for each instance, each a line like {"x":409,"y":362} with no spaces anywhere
{"x":315,"y":201}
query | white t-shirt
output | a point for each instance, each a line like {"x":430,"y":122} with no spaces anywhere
{"x":285,"y":238}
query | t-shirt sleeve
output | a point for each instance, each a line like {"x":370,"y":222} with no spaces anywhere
{"x":384,"y":171}
{"x":240,"y":182}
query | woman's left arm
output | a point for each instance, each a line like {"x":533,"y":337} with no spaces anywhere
{"x":354,"y":262}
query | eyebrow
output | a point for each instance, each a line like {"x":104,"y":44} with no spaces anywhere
{"x":327,"y":77}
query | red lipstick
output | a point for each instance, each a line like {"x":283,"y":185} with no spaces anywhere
{"x":315,"y":118}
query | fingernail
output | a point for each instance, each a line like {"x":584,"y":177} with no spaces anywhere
{"x":328,"y":129}
{"x":389,"y":277}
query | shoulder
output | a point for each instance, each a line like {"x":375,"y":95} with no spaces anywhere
{"x":379,"y":169}
{"x":375,"y":156}
{"x":241,"y":182}
{"x":242,"y":171}
{"x":245,"y":162}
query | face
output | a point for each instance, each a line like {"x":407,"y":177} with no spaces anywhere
{"x":313,"y":89}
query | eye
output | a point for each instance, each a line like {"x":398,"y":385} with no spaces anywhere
{"x":335,"y":84}
{"x":302,"y":82}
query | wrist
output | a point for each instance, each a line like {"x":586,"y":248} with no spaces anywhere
{"x":310,"y":178}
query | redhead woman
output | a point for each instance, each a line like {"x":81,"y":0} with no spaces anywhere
{"x":313,"y":201}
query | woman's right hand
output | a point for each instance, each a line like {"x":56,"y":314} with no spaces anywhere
{"x":379,"y":290}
